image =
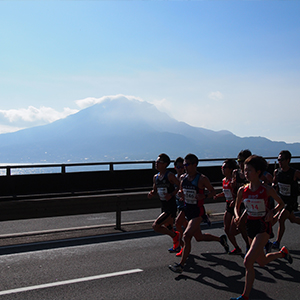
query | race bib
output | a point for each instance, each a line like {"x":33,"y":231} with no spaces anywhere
{"x":228,"y":194}
{"x":255,"y":207}
{"x":162,"y":191}
{"x":284,"y":189}
{"x":190,"y":196}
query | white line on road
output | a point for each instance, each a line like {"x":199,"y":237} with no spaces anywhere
{"x":71,"y":281}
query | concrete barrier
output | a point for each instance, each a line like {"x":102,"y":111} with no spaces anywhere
{"x":78,"y":205}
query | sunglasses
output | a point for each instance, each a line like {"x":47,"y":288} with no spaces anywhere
{"x":179,"y":167}
{"x":160,"y":161}
{"x":186,"y":164}
{"x":281,"y":159}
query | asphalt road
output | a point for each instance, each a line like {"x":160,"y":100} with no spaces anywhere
{"x":135,"y":266}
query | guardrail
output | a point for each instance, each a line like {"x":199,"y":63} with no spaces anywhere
{"x":77,"y":205}
{"x":74,"y":193}
{"x":111,"y":166}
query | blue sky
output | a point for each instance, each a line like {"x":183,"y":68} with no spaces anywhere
{"x":232,"y":65}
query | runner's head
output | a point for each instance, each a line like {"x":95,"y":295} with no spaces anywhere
{"x":191,"y":159}
{"x":163,"y":160}
{"x":178,"y":164}
{"x":228,"y":166}
{"x":190,"y":163}
{"x":242,"y":156}
{"x":284,"y":155}
{"x":258,"y":163}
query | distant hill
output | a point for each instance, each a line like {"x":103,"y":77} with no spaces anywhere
{"x":122,"y":129}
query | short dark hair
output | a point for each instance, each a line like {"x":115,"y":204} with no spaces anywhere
{"x":165,"y":158}
{"x":178,"y":160}
{"x":192,"y":158}
{"x":244,"y":154}
{"x":287,"y":154}
{"x":230,"y":163}
{"x":257,"y":162}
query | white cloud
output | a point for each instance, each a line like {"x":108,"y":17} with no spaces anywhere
{"x":16,"y":119}
{"x":7,"y":129}
{"x":87,"y":102}
{"x":31,"y":116}
{"x":163,"y":105}
{"x":216,"y":95}
{"x":84,"y":103}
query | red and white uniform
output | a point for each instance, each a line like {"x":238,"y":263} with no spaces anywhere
{"x":227,"y":189}
{"x":256,"y":203}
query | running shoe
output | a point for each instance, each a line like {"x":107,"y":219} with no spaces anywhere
{"x":179,"y":253}
{"x":276,"y":245}
{"x":177,"y":268}
{"x":238,"y":298}
{"x":223,"y":241}
{"x":176,"y":240}
{"x":285,"y":251}
{"x":268,"y":247}
{"x":172,"y":250}
{"x":235,"y":251}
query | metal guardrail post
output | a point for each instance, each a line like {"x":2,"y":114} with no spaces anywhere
{"x":111,"y":167}
{"x":118,"y":215}
{"x":8,"y":171}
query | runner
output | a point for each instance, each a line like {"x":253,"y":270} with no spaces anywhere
{"x":267,"y":179}
{"x":229,"y":226}
{"x":286,"y":180}
{"x":192,"y":187}
{"x":238,"y":180}
{"x":255,"y":197}
{"x":164,"y":185}
{"x":180,"y":221}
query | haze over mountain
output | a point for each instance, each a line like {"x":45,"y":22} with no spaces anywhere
{"x":122,"y":129}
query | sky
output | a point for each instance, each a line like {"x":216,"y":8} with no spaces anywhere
{"x":220,"y":65}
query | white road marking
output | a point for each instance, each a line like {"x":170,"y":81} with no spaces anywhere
{"x":71,"y":281}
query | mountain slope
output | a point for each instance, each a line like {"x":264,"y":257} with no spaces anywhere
{"x":122,"y":129}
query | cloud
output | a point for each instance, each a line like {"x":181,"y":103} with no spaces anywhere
{"x":87,"y":102}
{"x":163,"y":105}
{"x":216,"y":95}
{"x":7,"y":129}
{"x":32,"y":116}
{"x":16,"y":119}
{"x":84,"y":103}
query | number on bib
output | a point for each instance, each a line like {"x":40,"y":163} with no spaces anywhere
{"x":255,"y":207}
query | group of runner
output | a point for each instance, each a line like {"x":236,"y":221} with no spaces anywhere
{"x":255,"y":201}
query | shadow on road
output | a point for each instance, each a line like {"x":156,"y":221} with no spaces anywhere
{"x":209,"y":269}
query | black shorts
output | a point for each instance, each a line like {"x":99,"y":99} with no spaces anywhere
{"x":180,"y":204}
{"x":194,"y":212}
{"x":291,"y":206}
{"x":255,"y":227}
{"x":169,"y":207}
{"x":229,"y":209}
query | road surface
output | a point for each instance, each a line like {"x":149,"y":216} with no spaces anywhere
{"x":135,"y":266}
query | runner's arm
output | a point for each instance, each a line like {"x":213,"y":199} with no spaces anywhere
{"x":205,"y":183}
{"x":280,"y":204}
{"x":153,"y":192}
{"x":238,"y":205}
